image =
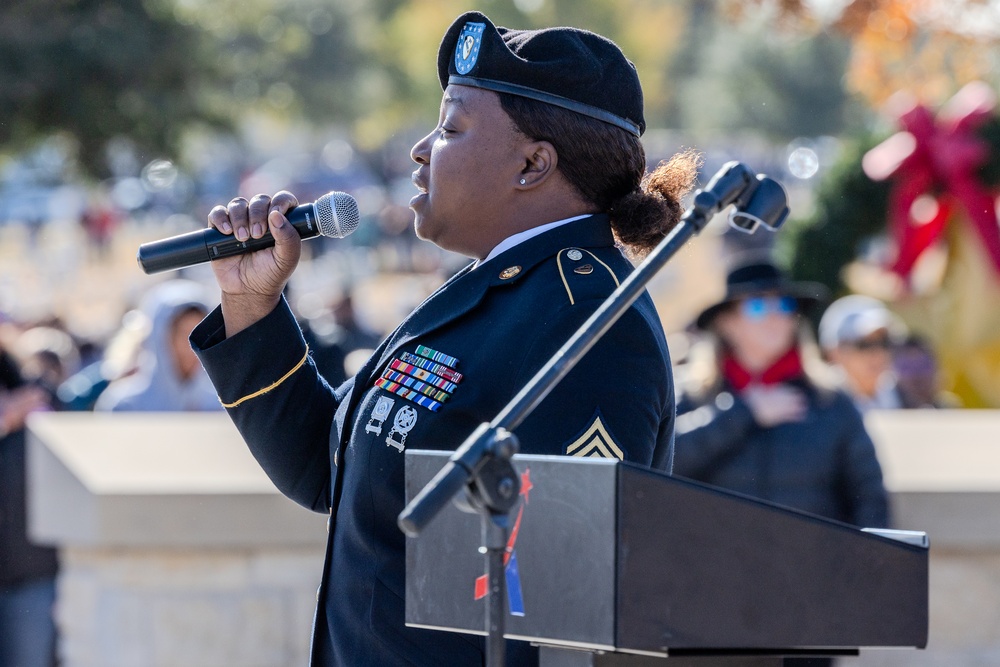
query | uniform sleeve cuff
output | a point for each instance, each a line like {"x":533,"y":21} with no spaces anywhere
{"x":255,"y":359}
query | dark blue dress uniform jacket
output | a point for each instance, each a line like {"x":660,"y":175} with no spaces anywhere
{"x":341,"y":450}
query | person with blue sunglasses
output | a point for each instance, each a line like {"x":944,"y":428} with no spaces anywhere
{"x":761,"y":414}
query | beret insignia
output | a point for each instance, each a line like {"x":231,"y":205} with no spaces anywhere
{"x":467,"y":48}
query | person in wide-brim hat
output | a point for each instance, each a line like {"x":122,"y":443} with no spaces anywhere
{"x":760,"y":412}
{"x":761,"y":276}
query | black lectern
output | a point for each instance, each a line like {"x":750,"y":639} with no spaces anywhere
{"x":613,"y":558}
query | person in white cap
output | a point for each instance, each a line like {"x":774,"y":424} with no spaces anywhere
{"x":858,"y":334}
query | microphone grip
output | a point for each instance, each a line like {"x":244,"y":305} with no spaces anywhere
{"x":208,"y":244}
{"x":175,"y":252}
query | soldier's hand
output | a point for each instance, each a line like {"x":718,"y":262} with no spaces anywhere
{"x":251,"y":283}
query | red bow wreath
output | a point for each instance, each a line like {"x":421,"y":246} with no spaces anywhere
{"x":937,"y":159}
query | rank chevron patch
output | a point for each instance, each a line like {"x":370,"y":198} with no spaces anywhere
{"x":595,"y":442}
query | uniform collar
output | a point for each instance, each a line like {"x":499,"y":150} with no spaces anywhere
{"x":521,"y":237}
{"x":469,"y":287}
{"x":592,"y":231}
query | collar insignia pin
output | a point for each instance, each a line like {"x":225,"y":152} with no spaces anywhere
{"x":575,"y":255}
{"x":510,"y":272}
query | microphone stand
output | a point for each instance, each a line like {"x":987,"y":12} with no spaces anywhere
{"x":482,"y":463}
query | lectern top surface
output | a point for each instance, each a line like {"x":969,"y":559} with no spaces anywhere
{"x":152,"y":453}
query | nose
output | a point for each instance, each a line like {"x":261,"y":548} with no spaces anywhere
{"x":420,"y":153}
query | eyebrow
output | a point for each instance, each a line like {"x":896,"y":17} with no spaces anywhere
{"x":454,"y":101}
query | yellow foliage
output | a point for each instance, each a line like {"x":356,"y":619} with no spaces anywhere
{"x":930,"y":48}
{"x":651,"y":43}
{"x":931,"y":70}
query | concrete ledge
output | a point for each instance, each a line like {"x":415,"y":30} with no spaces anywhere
{"x":177,"y":550}
{"x":942,"y":468}
{"x":163,"y":479}
{"x":954,"y":451}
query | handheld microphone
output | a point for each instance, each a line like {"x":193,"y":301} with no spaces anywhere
{"x":335,"y":214}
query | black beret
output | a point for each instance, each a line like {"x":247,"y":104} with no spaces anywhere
{"x":567,"y":67}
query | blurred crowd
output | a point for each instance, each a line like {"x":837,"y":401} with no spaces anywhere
{"x":148,"y":366}
{"x":773,"y":381}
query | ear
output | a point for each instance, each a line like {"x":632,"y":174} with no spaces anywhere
{"x":540,"y":161}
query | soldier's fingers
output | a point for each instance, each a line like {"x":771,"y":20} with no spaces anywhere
{"x":257,"y":213}
{"x":238,"y":210}
{"x":283,"y":201}
{"x":218,"y":217}
{"x":287,"y":244}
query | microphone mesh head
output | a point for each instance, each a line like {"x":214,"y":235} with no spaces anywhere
{"x":338,"y":214}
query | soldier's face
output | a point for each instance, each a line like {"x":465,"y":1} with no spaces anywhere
{"x":469,"y":167}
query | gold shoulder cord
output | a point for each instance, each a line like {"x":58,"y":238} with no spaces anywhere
{"x":562,"y":274}
{"x":613,"y":276}
{"x":261,"y":392}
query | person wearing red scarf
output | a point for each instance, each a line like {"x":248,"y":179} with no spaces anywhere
{"x":761,"y":414}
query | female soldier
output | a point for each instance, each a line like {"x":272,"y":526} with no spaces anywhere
{"x":535,"y":170}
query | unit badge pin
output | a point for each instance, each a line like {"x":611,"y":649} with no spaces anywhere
{"x":404,"y":422}
{"x":510,"y":272}
{"x":575,"y":255}
{"x":379,"y":414}
{"x":467,"y":49}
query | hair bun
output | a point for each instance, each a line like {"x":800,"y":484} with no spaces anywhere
{"x":643,"y":217}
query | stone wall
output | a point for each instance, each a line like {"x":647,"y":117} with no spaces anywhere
{"x":192,"y":608}
{"x":942,"y":468}
{"x":175,"y":549}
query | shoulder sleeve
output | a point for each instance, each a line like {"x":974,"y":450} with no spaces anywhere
{"x":281,"y":405}
{"x":617,"y":402}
